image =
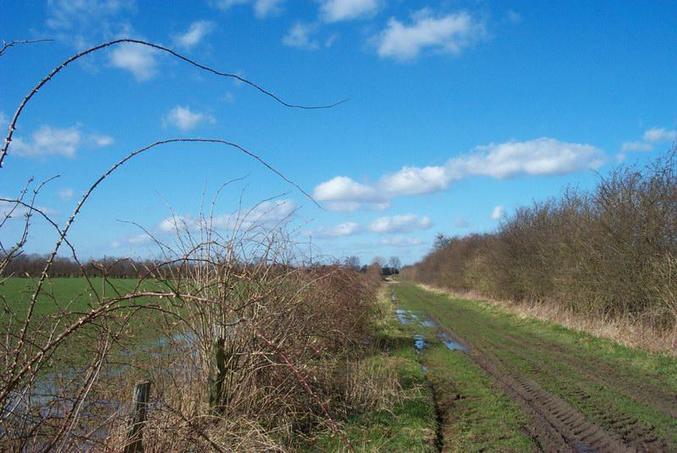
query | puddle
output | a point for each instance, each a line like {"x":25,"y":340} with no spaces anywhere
{"x":403,"y":316}
{"x":428,"y":323}
{"x":450,"y":343}
{"x":419,"y":342}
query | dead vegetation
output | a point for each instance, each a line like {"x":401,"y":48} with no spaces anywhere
{"x":246,"y":345}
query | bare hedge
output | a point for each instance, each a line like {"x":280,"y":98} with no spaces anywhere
{"x":610,"y":252}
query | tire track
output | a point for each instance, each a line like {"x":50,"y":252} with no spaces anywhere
{"x":556,"y":425}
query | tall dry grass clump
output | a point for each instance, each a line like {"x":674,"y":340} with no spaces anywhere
{"x":608,"y":254}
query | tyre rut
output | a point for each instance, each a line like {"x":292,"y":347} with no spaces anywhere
{"x":556,"y":425}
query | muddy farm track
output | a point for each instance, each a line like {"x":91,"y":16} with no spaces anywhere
{"x":575,"y":399}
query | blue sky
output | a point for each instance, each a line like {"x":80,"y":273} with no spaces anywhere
{"x":458,"y":112}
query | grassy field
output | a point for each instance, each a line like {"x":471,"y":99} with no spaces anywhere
{"x":65,"y":299}
{"x":625,"y":391}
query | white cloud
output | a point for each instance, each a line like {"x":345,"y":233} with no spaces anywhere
{"x":195,"y":33}
{"x":185,"y":119}
{"x":66,"y":194}
{"x":400,"y":224}
{"x":450,"y":33}
{"x":498,"y":213}
{"x":300,"y":36}
{"x":54,"y":141}
{"x":339,"y":10}
{"x":49,"y":140}
{"x":650,"y":138}
{"x":262,"y":8}
{"x":401,"y":241}
{"x":340,"y":230}
{"x":138,"y":60}
{"x":658,"y":134}
{"x":101,"y":140}
{"x":542,"y":156}
{"x":267,"y":213}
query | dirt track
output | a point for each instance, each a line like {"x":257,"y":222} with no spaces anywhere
{"x":575,"y":417}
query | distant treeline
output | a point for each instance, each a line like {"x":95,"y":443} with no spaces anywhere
{"x":610,"y":252}
{"x":31,"y":265}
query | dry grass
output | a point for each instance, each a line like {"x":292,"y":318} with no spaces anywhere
{"x":622,"y":331}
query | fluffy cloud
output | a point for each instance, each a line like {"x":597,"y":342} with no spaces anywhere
{"x":339,"y":10}
{"x":449,"y":33}
{"x":184,"y":119}
{"x":498,"y":213}
{"x":195,"y":33}
{"x":542,"y":156}
{"x":139,"y":60}
{"x":266,"y":214}
{"x":400,"y":224}
{"x":300,"y":36}
{"x":53,"y":141}
{"x":262,"y":8}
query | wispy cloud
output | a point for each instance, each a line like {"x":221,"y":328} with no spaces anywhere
{"x":196,"y":32}
{"x":266,"y":214}
{"x":542,"y":156}
{"x":139,"y":60}
{"x":401,"y":241}
{"x":340,"y":10}
{"x":184,"y":119}
{"x":400,"y":224}
{"x":340,"y":230}
{"x":66,"y":194}
{"x":81,"y":22}
{"x":54,"y":141}
{"x":262,"y":8}
{"x":659,"y":134}
{"x":450,"y":33}
{"x":300,"y":36}
{"x":650,"y":139}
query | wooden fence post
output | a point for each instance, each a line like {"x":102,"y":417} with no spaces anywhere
{"x":140,"y":409}
{"x":217,"y":375}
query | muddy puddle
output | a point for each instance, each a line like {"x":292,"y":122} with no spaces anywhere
{"x":408,"y":317}
{"x":419,"y":342}
{"x":450,"y":343}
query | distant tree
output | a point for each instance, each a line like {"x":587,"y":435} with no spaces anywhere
{"x":353,"y":262}
{"x":379,"y":260}
{"x":395,"y":263}
{"x":441,"y":241}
